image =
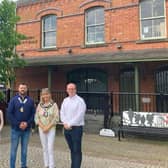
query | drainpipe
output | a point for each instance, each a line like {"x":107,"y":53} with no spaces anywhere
{"x":136,"y":87}
{"x":49,"y":76}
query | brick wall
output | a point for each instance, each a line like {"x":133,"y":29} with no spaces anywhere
{"x":121,"y":26}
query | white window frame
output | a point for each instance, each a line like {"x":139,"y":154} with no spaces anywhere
{"x":51,"y":30}
{"x":94,"y":25}
{"x":153,"y":18}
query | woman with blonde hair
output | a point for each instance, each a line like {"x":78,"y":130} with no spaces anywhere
{"x":46,"y":117}
{"x":1,"y":120}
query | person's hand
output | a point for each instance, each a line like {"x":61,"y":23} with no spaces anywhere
{"x":45,"y":129}
{"x":23,"y":125}
{"x":67,"y":127}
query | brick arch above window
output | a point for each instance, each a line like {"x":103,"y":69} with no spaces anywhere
{"x":92,"y":3}
{"x":49,"y":11}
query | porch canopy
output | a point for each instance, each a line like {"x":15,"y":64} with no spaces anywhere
{"x":104,"y":57}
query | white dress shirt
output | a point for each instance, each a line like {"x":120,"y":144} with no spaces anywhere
{"x":73,"y":111}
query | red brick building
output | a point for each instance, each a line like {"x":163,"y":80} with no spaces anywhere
{"x":101,"y":45}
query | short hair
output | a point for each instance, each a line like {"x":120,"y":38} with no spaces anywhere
{"x":22,"y":84}
{"x":71,"y":83}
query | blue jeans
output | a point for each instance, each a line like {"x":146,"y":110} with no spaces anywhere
{"x":74,"y":140}
{"x":16,"y":136}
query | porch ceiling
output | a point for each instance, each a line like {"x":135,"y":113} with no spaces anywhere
{"x":108,"y":57}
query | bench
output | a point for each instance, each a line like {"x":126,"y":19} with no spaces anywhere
{"x":143,"y":123}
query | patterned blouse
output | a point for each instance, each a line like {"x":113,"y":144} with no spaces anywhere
{"x":47,"y":114}
{"x":1,"y":120}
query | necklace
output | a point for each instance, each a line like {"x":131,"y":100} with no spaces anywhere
{"x":46,"y":108}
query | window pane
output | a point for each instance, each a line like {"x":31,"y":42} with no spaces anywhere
{"x":99,"y":16}
{"x":99,"y":28}
{"x":152,"y":8}
{"x":49,"y":31}
{"x":146,"y":9}
{"x":50,"y":39}
{"x":45,"y":24}
{"x":95,"y":16}
{"x":91,"y":29}
{"x":90,"y":18}
{"x":100,"y":37}
{"x":159,"y":28}
{"x":91,"y":38}
{"x":158,"y":8}
{"x":49,"y":23}
{"x":153,"y":28}
{"x":95,"y":34}
{"x":153,"y":19}
{"x":146,"y":29}
{"x":95,"y":25}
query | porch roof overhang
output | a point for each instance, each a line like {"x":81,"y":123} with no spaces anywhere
{"x":97,"y":58}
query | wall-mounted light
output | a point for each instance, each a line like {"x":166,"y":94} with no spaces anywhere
{"x":22,"y":54}
{"x":69,"y":50}
{"x":118,"y":46}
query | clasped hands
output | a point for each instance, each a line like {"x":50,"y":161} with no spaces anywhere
{"x":45,"y":129}
{"x":23,"y":125}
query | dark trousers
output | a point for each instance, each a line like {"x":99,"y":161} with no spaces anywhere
{"x":74,"y":140}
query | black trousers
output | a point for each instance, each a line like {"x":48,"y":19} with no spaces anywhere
{"x":74,"y":140}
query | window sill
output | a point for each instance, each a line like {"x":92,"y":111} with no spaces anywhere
{"x":94,"y":45}
{"x":48,"y":49}
{"x":152,"y":41}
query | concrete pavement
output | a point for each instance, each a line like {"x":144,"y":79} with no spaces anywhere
{"x":98,"y":152}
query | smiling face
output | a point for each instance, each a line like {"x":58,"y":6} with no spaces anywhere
{"x":22,"y":89}
{"x":71,"y":89}
{"x":45,"y":95}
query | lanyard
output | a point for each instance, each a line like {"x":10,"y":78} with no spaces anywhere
{"x":22,"y":101}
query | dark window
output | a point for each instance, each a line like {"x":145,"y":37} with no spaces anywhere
{"x":127,"y":90}
{"x":92,"y":86}
{"x":161,"y":85}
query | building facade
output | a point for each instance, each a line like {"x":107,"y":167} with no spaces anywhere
{"x":107,"y":46}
